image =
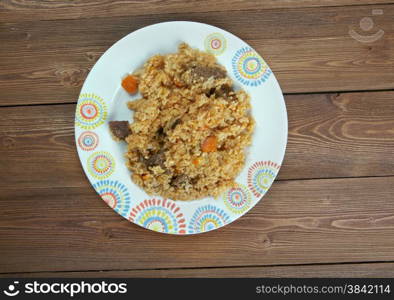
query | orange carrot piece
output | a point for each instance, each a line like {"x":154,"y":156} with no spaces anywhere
{"x":209,"y":144}
{"x":196,"y":161}
{"x":130,"y":84}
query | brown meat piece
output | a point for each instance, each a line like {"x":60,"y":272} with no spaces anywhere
{"x":222,"y":91}
{"x":208,"y":72}
{"x":120,"y":129}
{"x":180,"y":181}
{"x":156,"y":159}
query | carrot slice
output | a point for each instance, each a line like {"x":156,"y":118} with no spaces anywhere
{"x":209,"y":144}
{"x":196,"y":161}
{"x":130,"y":84}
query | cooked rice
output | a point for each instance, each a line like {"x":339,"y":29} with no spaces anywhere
{"x":180,"y":108}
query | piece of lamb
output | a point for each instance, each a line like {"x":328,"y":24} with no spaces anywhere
{"x":119,"y":129}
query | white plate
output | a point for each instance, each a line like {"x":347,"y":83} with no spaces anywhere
{"x":102,"y":99}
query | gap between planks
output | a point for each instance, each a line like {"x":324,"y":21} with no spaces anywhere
{"x":284,"y":94}
{"x":211,"y":267}
{"x":311,"y":270}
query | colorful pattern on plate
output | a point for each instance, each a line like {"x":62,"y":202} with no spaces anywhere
{"x":91,"y":111}
{"x":261,"y":175}
{"x":160,"y":215}
{"x":237,"y":199}
{"x":215,"y":43}
{"x":249,"y":68}
{"x":207,"y":218}
{"x":101,"y":165}
{"x":115,"y":194}
{"x":104,"y":164}
{"x":88,"y":140}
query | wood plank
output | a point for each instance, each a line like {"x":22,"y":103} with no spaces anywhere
{"x":340,"y":135}
{"x":330,"y":135}
{"x":38,"y":148}
{"x":41,"y":64}
{"x":15,"y":11}
{"x":299,"y":222}
{"x":364,"y":270}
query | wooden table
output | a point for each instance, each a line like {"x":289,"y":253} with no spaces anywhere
{"x":329,"y":213}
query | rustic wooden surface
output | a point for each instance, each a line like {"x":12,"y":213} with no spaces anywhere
{"x":330,"y":213}
{"x":308,"y":54}
{"x":330,"y":135}
{"x":78,"y":9}
{"x":299,"y":222}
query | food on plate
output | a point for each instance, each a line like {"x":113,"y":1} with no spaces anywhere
{"x":119,"y":129}
{"x":190,"y":128}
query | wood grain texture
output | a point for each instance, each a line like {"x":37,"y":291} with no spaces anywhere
{"x":365,"y":270}
{"x":299,"y":222}
{"x":15,"y":11}
{"x":330,"y":135}
{"x":340,"y":135}
{"x":309,"y":49}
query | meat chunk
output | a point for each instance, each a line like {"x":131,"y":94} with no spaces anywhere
{"x":180,"y":181}
{"x":120,"y":129}
{"x":156,"y":159}
{"x":208,"y":72}
{"x":221,"y":91}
